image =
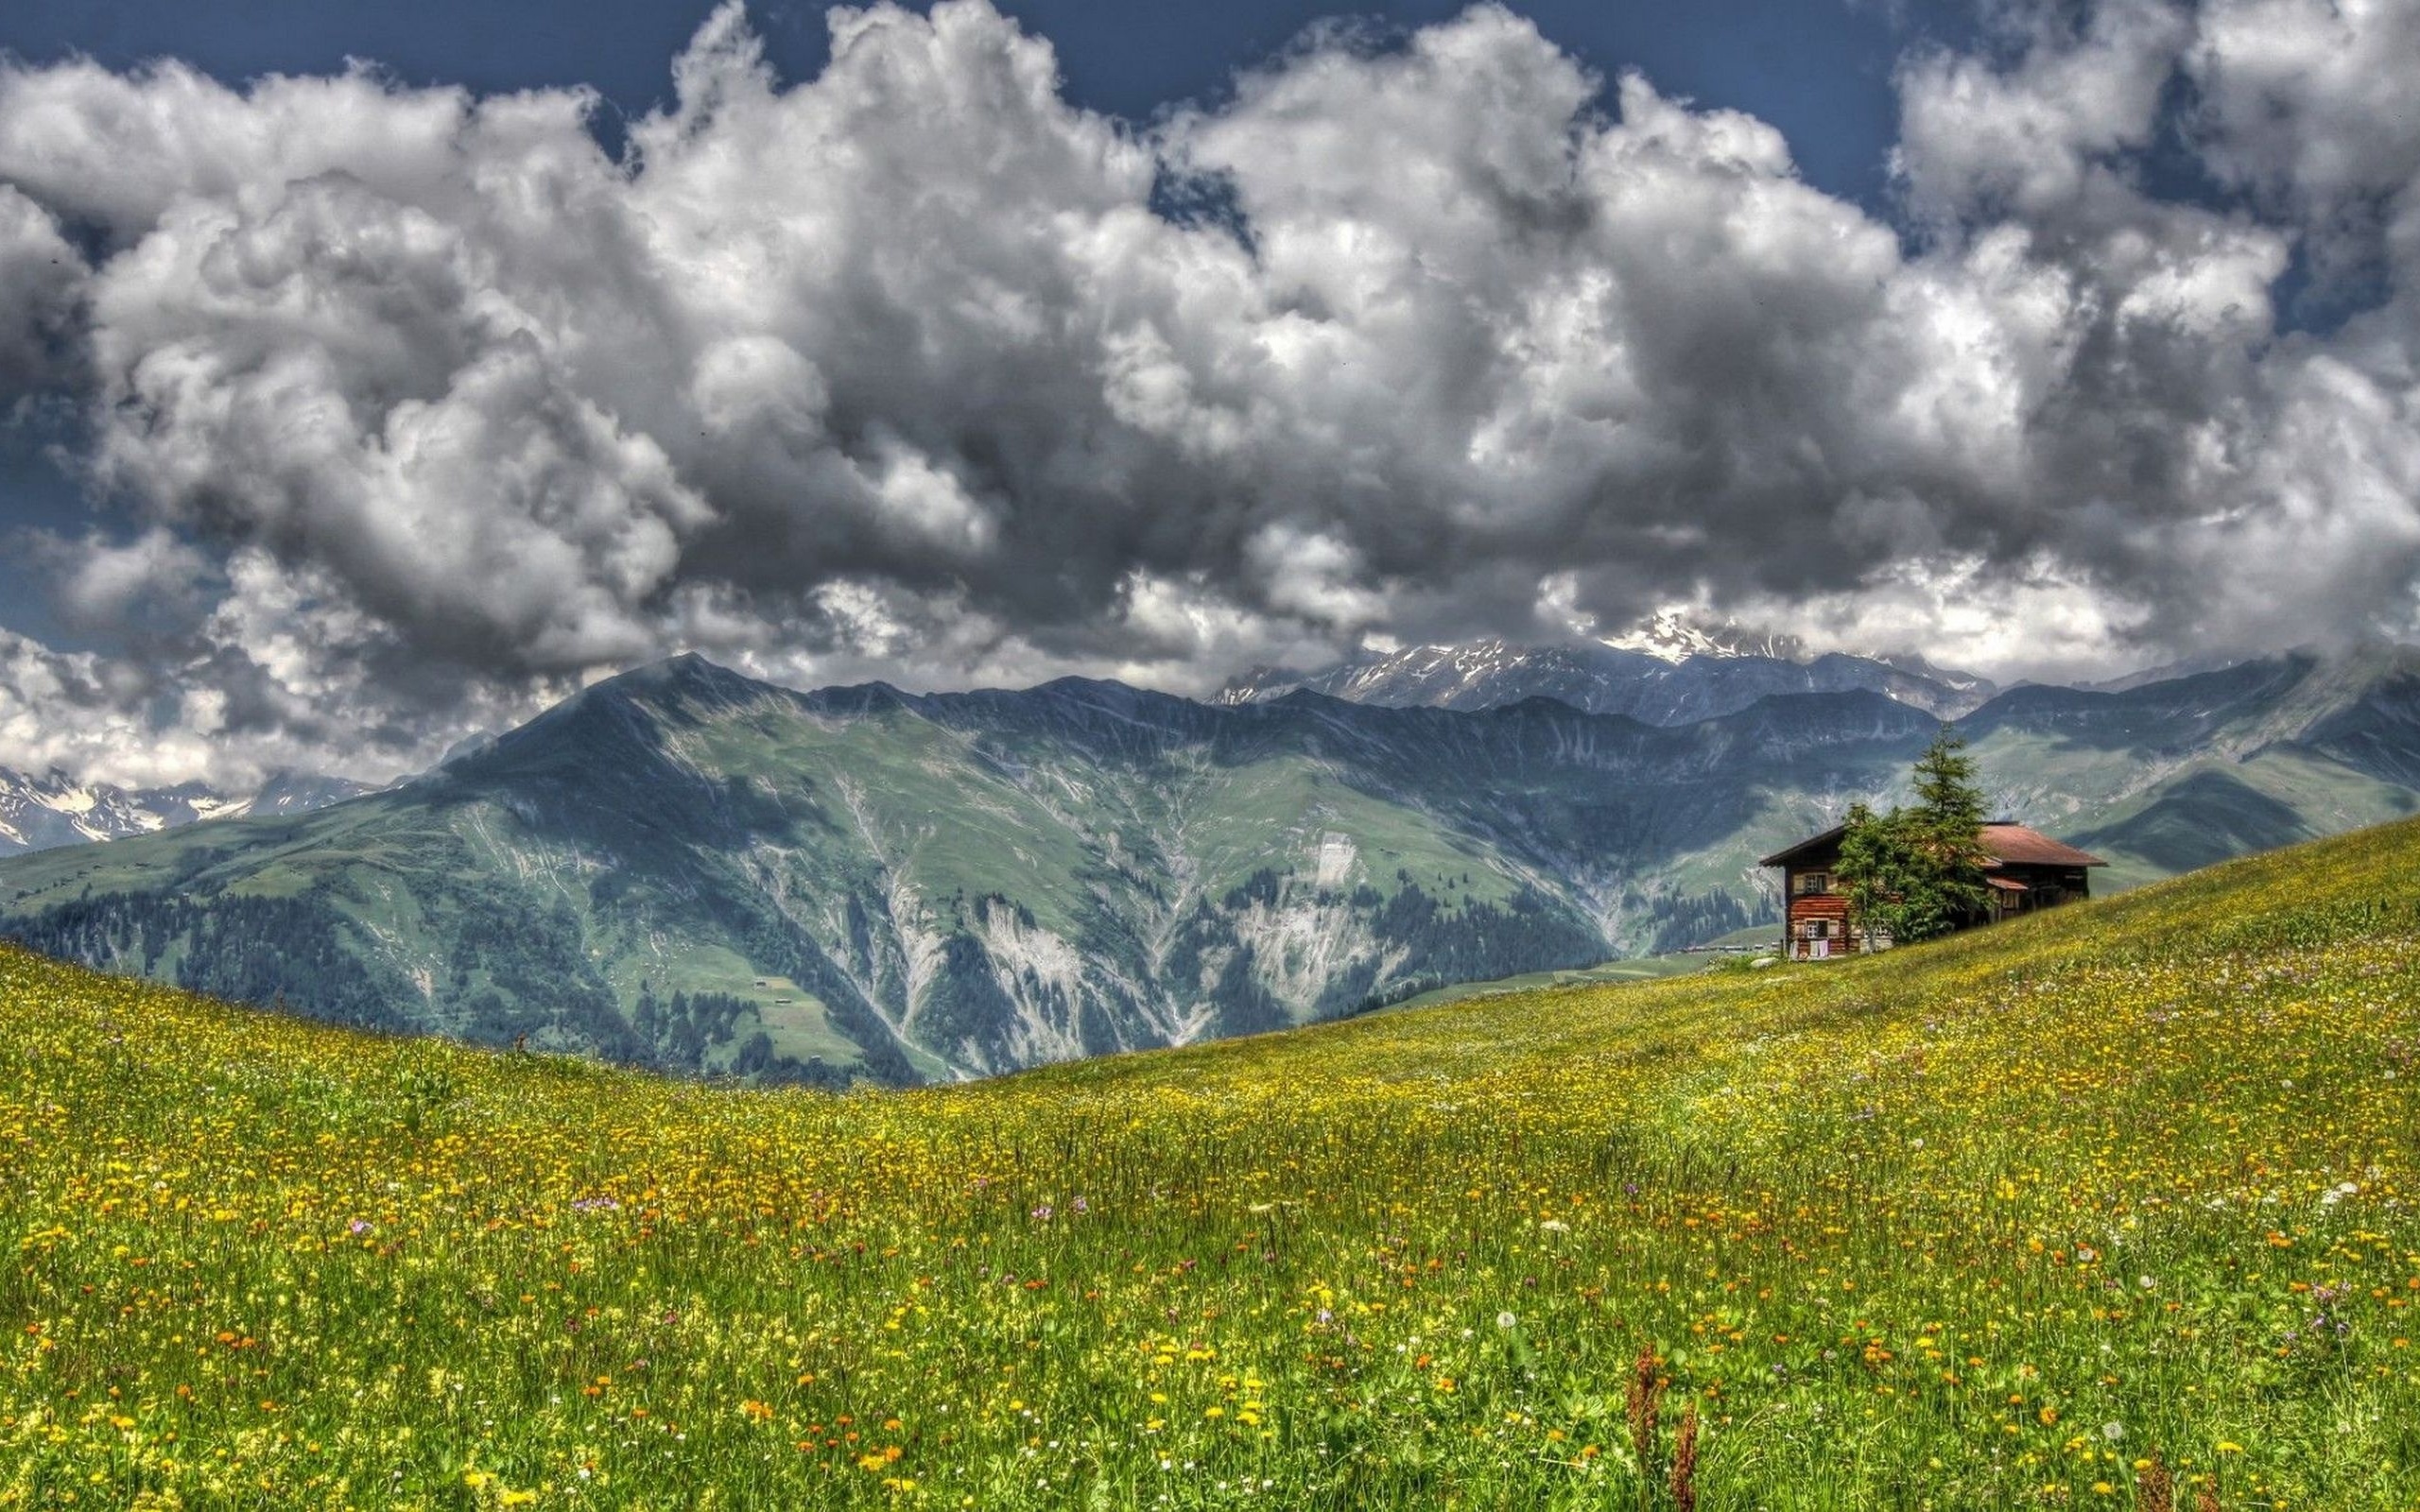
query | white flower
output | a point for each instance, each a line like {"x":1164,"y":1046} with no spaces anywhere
{"x":1505,"y":1320}
{"x":2113,"y":1432}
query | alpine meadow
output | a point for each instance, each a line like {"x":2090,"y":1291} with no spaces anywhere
{"x":2109,"y":1206}
{"x":1039,"y":756}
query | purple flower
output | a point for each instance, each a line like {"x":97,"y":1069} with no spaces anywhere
{"x":358,"y":1227}
{"x":1080,"y":1205}
{"x":1041,"y":1213}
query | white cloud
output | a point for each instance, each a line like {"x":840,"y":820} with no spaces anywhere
{"x":2038,"y":141}
{"x":2309,"y":103}
{"x":424,"y":408}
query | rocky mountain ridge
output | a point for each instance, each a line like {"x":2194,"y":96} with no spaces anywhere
{"x":38,"y":813}
{"x":1675,"y":676}
{"x":685,"y":867}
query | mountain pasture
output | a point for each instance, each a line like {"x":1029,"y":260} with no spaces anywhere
{"x":2032,"y":1218}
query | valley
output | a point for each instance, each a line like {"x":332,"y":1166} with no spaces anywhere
{"x":684,"y":868}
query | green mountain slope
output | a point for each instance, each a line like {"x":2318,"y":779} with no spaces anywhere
{"x":685,"y":868}
{"x":2046,"y":1215}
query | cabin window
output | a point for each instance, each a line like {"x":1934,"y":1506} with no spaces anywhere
{"x":1811,"y":883}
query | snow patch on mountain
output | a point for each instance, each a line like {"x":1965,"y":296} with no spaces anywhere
{"x":1670,"y":637}
{"x":53,"y":809}
{"x":1668,"y":672}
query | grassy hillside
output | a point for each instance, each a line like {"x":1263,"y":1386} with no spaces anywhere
{"x":2032,"y":1218}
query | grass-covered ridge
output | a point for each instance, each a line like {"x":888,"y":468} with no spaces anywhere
{"x":1981,"y":1224}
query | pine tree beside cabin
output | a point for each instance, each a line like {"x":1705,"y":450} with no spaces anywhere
{"x":2026,"y":870}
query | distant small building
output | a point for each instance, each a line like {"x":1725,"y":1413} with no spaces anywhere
{"x":2028,"y":870}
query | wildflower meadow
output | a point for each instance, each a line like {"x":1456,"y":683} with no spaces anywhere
{"x":2108,"y":1206}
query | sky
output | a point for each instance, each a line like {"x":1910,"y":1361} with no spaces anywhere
{"x":372,"y":376}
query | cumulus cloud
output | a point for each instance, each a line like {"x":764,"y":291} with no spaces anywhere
{"x":40,"y":276}
{"x":411,"y":409}
{"x":2308,"y":107}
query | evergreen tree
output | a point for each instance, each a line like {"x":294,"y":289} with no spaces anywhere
{"x":1949,"y":804}
{"x":1918,"y":872}
{"x":1946,"y":829}
{"x":1874,"y":871}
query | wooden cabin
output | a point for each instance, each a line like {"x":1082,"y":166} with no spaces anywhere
{"x":2028,"y":870}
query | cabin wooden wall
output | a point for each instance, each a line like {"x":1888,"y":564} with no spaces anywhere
{"x":1826,"y":908}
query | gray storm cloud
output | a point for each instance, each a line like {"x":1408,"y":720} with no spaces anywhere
{"x":418,"y":408}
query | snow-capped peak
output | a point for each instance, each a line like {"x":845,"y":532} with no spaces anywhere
{"x":76,"y":800}
{"x":1668,"y":635}
{"x":38,"y":813}
{"x":1667,"y":671}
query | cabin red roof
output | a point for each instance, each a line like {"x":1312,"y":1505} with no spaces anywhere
{"x":2016,"y":845}
{"x":2010,"y":844}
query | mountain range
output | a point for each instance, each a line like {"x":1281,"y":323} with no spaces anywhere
{"x":1667,"y":673}
{"x":54,"y":809}
{"x":684,"y":868}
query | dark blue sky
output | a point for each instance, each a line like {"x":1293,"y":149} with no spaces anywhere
{"x":1819,"y":69}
